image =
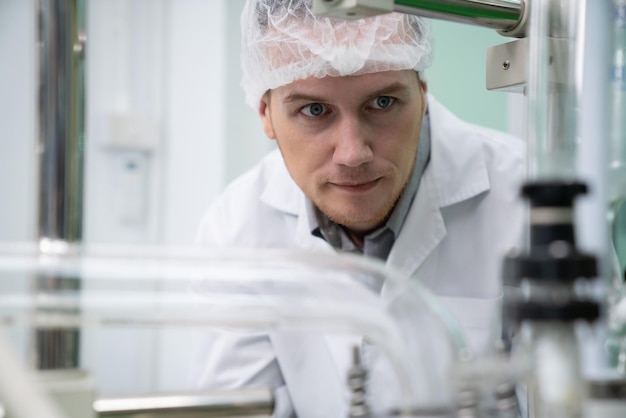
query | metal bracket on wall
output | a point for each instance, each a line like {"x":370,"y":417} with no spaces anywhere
{"x":507,"y":65}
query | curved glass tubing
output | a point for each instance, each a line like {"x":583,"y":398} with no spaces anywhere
{"x":256,"y":289}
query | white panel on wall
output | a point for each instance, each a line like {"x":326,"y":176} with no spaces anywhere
{"x":124,"y":156}
{"x":18,"y":113}
{"x":125,"y":140}
{"x":17,"y":120}
{"x":195,"y":162}
{"x":195,"y":113}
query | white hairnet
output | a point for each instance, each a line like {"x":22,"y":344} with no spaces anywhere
{"x":282,"y":41}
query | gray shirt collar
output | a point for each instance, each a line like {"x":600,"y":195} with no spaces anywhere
{"x":379,"y":242}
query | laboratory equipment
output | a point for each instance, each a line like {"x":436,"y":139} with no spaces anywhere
{"x":616,"y":179}
{"x":61,"y":136}
{"x":548,"y":303}
{"x":606,"y":398}
{"x":280,"y":291}
{"x":241,"y":403}
{"x":503,"y":15}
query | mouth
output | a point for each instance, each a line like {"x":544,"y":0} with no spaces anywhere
{"x":356,"y":187}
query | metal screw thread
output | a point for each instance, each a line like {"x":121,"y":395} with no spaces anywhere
{"x":357,"y":382}
{"x":506,"y":400}
{"x":468,"y":404}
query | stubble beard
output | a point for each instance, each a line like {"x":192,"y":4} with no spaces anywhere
{"x":356,"y":218}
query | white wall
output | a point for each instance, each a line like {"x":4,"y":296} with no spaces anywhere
{"x":17,"y":119}
{"x":157,"y":66}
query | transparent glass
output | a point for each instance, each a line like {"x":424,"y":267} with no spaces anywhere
{"x":617,"y":144}
{"x":552,"y":89}
{"x":556,"y":386}
{"x":617,"y":189}
{"x":270,"y":290}
{"x":616,"y":312}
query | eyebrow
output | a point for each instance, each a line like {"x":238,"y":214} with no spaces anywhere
{"x":391,"y":88}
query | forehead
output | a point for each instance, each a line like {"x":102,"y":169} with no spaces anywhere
{"x":354,"y":85}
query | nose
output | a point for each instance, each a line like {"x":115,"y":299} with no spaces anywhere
{"x":352,"y":147}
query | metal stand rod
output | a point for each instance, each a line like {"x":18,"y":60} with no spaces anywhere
{"x":227,"y":403}
{"x":494,"y":14}
{"x":61,"y":42}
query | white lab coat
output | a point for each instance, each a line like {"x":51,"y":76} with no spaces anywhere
{"x":465,"y":217}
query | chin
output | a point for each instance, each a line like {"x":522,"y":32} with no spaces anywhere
{"x":356,"y":221}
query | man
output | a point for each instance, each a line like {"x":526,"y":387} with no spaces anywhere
{"x":367,"y":162}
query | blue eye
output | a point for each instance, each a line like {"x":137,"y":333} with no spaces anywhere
{"x":314,"y":110}
{"x":382,"y":102}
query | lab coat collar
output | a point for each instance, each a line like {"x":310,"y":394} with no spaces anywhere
{"x":457,"y":171}
{"x":284,"y":195}
{"x":458,"y":166}
{"x":281,"y":192}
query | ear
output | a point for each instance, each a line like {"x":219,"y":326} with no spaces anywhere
{"x":266,"y":119}
{"x":424,"y":86}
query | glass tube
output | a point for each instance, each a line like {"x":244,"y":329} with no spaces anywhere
{"x":61,"y":96}
{"x":494,"y":14}
{"x":617,"y":188}
{"x":617,"y":143}
{"x":556,"y":37}
{"x":557,"y":385}
{"x":617,"y":150}
{"x":273,"y":290}
{"x":552,"y":89}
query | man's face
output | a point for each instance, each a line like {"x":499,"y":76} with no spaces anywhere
{"x":349,"y":142}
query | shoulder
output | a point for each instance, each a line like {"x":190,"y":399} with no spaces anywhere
{"x":499,"y":146}
{"x":251,"y":184}
{"x":451,"y":125}
{"x":504,"y":155}
{"x":502,"y":152}
{"x":242,"y":215}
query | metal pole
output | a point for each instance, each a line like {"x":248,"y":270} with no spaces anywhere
{"x":61,"y":43}
{"x":249,"y":402}
{"x":494,"y":14}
